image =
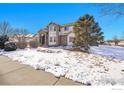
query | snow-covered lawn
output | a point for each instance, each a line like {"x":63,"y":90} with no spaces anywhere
{"x":88,"y":69}
{"x":109,"y":51}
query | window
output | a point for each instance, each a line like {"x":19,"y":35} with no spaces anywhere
{"x":66,"y":29}
{"x":50,"y":28}
{"x":54,"y":39}
{"x":55,"y":28}
{"x":50,"y":39}
{"x":71,"y":39}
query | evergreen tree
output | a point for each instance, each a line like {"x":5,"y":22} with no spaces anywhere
{"x":87,"y":32}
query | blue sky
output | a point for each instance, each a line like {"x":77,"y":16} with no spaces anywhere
{"x":36,"y":16}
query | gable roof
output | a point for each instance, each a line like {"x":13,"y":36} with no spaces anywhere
{"x":52,"y":23}
{"x":69,"y":24}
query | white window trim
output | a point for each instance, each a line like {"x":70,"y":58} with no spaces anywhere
{"x":51,"y":28}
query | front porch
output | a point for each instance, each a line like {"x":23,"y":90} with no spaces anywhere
{"x":43,"y":38}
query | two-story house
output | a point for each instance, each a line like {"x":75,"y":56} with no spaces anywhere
{"x":56,"y":35}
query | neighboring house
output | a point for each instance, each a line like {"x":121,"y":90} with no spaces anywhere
{"x":121,"y":43}
{"x":112,"y":42}
{"x":55,"y":35}
{"x":26,"y":38}
{"x":36,"y":37}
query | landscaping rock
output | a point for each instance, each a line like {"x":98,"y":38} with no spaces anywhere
{"x":48,"y":51}
{"x":10,"y":46}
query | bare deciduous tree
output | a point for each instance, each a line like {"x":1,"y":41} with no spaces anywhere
{"x":116,"y":9}
{"x":20,"y":34}
{"x":5,"y":28}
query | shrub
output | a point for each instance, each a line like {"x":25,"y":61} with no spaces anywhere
{"x":3,"y":39}
{"x":10,"y":46}
{"x":1,"y":45}
{"x":21,"y":44}
{"x":33,"y":44}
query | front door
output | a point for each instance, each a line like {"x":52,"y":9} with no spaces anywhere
{"x":43,"y":40}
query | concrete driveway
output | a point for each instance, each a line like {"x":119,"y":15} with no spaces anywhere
{"x":14,"y":73}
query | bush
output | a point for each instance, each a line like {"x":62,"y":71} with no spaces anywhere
{"x":33,"y":44}
{"x":1,"y":45}
{"x":21,"y":45}
{"x":10,"y":46}
{"x":3,"y":39}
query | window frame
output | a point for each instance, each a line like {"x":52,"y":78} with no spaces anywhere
{"x":55,"y":28}
{"x":51,"y":39}
{"x":50,"y":28}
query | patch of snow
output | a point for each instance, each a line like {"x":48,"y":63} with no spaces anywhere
{"x":109,"y":51}
{"x":82,"y":67}
{"x":1,"y":52}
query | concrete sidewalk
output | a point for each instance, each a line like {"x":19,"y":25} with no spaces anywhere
{"x":14,"y":73}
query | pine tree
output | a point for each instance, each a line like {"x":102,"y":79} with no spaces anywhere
{"x":87,"y":32}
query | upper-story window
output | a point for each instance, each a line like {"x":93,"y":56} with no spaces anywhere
{"x":50,"y":28}
{"x":55,"y":28}
{"x":66,"y":28}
